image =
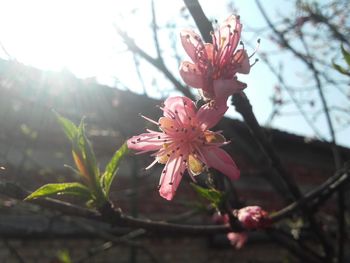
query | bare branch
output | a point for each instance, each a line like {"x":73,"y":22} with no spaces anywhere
{"x":115,"y":217}
{"x":155,"y":32}
{"x":123,"y":240}
{"x":297,"y":248}
{"x":155,"y":62}
{"x":13,"y":251}
{"x":320,"y":193}
{"x":202,"y":22}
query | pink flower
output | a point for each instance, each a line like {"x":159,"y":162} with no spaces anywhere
{"x":221,"y":219}
{"x":237,"y":240}
{"x":185,"y":143}
{"x":253,"y":217}
{"x":215,"y":65}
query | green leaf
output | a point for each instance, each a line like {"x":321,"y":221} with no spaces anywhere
{"x":75,"y":171}
{"x":341,"y":70}
{"x":76,"y":189}
{"x":64,"y":256}
{"x":112,"y":167}
{"x":82,"y":148}
{"x":345,"y":54}
{"x":214,"y":196}
{"x":85,"y":149}
{"x":69,"y":128}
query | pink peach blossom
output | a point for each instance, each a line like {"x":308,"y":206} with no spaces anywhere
{"x":220,"y":218}
{"x":253,"y":217}
{"x":185,"y":142}
{"x":215,"y":65}
{"x":237,"y":240}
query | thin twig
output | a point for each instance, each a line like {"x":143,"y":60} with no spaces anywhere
{"x":322,"y":192}
{"x":155,"y":32}
{"x":337,"y":158}
{"x":297,"y":248}
{"x":5,"y":51}
{"x":324,"y":20}
{"x":336,"y":155}
{"x":243,"y":106}
{"x":123,"y":240}
{"x":138,"y":72}
{"x":295,"y":101}
{"x":13,"y":251}
{"x":115,"y":217}
{"x":156,"y":62}
{"x":95,"y":251}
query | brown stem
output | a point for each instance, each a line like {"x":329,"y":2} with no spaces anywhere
{"x":322,"y":192}
{"x":243,"y":106}
{"x":297,"y":248}
{"x":337,"y":158}
{"x":202,"y":22}
{"x":114,"y":216}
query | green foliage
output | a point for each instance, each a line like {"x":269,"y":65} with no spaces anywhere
{"x":214,"y":196}
{"x":69,"y":128}
{"x":112,"y":167}
{"x":346,"y":56}
{"x":82,"y":147}
{"x":83,"y":155}
{"x":341,"y":70}
{"x":97,"y":187}
{"x":64,"y":257}
{"x":75,"y":189}
{"x":27,"y":131}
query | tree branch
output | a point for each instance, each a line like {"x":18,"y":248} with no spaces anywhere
{"x":202,"y":22}
{"x":113,"y":216}
{"x":297,"y":248}
{"x":157,"y":63}
{"x":322,"y":192}
{"x":337,"y":158}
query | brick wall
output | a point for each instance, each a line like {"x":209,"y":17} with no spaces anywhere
{"x":191,"y":250}
{"x":28,"y":98}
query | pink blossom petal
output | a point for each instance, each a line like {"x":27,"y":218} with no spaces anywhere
{"x":146,"y":142}
{"x":192,"y":44}
{"x":180,"y":108}
{"x":215,"y":61}
{"x":221,"y":161}
{"x":209,"y":115}
{"x":221,"y":219}
{"x":242,"y":59}
{"x":184,"y":135}
{"x":229,"y":32}
{"x":191,"y":75}
{"x":237,"y":240}
{"x":167,"y":124}
{"x":209,"y":49}
{"x":223,"y":88}
{"x":171,"y":177}
{"x":253,"y":217}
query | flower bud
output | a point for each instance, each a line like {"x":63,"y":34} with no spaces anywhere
{"x":253,"y":217}
{"x":237,"y":240}
{"x":220,"y":219}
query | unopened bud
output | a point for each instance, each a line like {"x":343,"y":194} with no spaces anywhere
{"x":237,"y":240}
{"x":253,"y":217}
{"x":220,"y":219}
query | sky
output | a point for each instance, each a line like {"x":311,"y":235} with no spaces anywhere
{"x":79,"y":36}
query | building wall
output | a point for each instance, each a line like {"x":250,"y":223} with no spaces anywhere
{"x":33,"y":150}
{"x":187,"y":250}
